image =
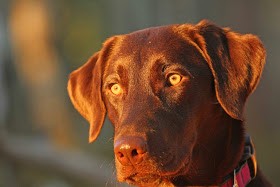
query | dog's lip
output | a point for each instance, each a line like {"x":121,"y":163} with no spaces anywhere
{"x":154,"y":177}
{"x":130,"y":177}
{"x":177,"y":171}
{"x":143,"y":178}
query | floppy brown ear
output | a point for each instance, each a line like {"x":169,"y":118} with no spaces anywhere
{"x":236,"y":62}
{"x":84,"y":88}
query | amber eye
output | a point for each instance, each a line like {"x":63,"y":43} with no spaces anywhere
{"x":116,"y":89}
{"x":174,"y":79}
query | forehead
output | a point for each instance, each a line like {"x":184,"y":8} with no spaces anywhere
{"x":160,"y":45}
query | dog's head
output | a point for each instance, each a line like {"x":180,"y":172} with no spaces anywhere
{"x":166,"y":91}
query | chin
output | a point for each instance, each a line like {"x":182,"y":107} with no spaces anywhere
{"x":153,"y":175}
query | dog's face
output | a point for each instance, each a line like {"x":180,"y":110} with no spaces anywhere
{"x":162,"y":89}
{"x":157,"y":91}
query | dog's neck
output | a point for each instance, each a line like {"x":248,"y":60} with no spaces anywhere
{"x":217,"y":153}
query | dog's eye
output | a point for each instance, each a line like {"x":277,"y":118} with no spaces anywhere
{"x":116,"y":89}
{"x":174,"y":79}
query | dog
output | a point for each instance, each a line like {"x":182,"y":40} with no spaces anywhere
{"x":175,"y":95}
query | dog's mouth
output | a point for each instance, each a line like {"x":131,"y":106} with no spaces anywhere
{"x":155,"y":178}
{"x":143,"y":179}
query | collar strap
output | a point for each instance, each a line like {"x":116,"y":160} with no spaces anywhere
{"x":246,"y":169}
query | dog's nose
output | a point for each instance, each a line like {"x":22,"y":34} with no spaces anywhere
{"x":130,"y":150}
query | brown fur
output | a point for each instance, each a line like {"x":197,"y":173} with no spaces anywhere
{"x":192,"y":133}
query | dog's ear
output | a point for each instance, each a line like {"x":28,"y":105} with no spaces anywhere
{"x":236,"y":62}
{"x":84,"y":88}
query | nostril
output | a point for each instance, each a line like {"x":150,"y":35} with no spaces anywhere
{"x":120,"y":155}
{"x":134,"y":152}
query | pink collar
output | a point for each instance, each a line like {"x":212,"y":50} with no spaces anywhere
{"x":247,"y":169}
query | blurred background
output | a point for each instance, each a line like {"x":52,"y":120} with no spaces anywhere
{"x":44,"y":141}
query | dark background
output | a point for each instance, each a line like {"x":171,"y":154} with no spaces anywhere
{"x":43,"y":140}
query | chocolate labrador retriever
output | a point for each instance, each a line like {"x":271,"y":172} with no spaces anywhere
{"x":175,"y":96}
